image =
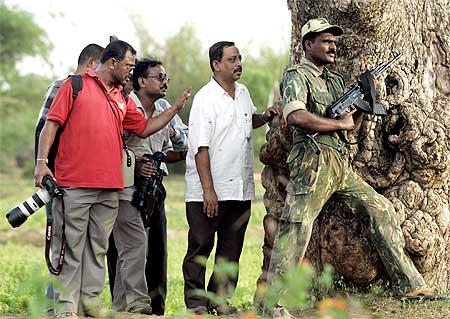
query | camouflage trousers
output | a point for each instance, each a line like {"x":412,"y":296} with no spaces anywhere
{"x":314,"y":178}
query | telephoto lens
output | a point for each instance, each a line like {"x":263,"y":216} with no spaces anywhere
{"x":18,"y":215}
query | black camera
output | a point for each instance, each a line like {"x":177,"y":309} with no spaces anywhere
{"x":149,"y":189}
{"x":18,"y":215}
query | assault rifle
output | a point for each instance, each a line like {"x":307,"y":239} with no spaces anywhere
{"x":365,"y":85}
{"x":150,"y":191}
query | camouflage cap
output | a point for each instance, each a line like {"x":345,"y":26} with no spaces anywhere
{"x":320,"y":25}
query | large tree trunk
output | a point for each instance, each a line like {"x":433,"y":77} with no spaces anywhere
{"x":405,"y":156}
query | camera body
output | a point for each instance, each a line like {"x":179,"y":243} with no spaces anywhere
{"x":18,"y":215}
{"x":149,"y":189}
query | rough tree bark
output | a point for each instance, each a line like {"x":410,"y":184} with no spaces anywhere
{"x":405,"y":156}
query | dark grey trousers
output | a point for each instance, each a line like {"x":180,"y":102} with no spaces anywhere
{"x":230,"y":226}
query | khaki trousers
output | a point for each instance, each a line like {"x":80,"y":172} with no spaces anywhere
{"x":130,"y":285}
{"x":89,"y":217}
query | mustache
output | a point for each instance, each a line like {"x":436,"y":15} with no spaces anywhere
{"x":164,"y":86}
{"x":238,"y":69}
{"x":331,"y":51}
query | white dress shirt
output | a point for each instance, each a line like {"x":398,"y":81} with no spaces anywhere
{"x":224,"y":125}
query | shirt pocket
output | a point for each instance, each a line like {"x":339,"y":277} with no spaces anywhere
{"x":303,"y":165}
{"x":157,"y":140}
{"x":321,"y":103}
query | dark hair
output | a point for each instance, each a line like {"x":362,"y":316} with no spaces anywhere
{"x":90,"y":51}
{"x":141,"y":70}
{"x":117,"y":50}
{"x":216,"y":51}
{"x":311,"y":36}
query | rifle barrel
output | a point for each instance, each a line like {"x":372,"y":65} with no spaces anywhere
{"x":380,"y":68}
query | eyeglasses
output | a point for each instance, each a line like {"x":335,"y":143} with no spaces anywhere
{"x":160,"y":77}
{"x":234,"y":59}
{"x":129,"y":66}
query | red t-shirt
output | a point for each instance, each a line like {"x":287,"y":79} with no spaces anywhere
{"x":90,"y":148}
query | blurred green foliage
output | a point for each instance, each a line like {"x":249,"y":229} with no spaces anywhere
{"x":20,"y":36}
{"x":20,"y":95}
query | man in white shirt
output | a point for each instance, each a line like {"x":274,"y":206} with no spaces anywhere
{"x":219,"y":176}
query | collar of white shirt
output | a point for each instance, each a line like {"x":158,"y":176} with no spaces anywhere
{"x":239,"y":88}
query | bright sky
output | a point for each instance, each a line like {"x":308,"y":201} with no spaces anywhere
{"x":72,"y":24}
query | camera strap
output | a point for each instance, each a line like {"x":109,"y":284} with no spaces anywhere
{"x":48,"y":241}
{"x":117,"y":117}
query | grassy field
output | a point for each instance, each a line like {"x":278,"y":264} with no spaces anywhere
{"x":22,"y":248}
{"x":22,"y":261}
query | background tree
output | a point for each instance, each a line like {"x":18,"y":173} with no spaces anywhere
{"x":22,"y":95}
{"x":405,"y":156}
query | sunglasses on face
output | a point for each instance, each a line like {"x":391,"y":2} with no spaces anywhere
{"x":161,"y":77}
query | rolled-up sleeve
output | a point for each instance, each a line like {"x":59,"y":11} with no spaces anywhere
{"x":134,"y":121}
{"x":180,"y":138}
{"x":201,"y":125}
{"x":294,"y":92}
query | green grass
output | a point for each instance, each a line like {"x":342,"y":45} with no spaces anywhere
{"x":23,"y":248}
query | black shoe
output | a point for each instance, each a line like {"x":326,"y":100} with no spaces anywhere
{"x":199,"y":310}
{"x":223,"y":310}
{"x":141,"y":308}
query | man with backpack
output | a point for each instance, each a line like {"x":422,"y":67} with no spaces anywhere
{"x":88,"y":58}
{"x":88,"y":167}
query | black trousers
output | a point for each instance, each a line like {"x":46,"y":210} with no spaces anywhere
{"x":156,"y":264}
{"x":230,"y":226}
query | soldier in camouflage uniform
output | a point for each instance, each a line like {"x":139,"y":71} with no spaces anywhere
{"x":318,"y":168}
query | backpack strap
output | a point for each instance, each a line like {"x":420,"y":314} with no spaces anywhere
{"x":77,"y":84}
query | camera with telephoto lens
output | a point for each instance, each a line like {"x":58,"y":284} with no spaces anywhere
{"x":18,"y":215}
{"x":149,"y":189}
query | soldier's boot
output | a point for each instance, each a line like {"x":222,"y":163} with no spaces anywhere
{"x":423,"y":293}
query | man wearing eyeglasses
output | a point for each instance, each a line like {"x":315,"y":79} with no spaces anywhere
{"x":88,"y":167}
{"x":219,"y":177}
{"x":138,"y":251}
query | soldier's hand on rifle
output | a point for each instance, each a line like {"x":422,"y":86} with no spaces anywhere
{"x":347,"y":122}
{"x":40,"y":171}
{"x":210,"y":203}
{"x":181,"y":100}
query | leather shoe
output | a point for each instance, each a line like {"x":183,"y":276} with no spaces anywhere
{"x":199,"y":310}
{"x":223,"y":309}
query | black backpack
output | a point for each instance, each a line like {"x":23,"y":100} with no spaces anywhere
{"x":77,"y":86}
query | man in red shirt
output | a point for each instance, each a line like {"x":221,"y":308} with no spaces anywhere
{"x":88,"y":166}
